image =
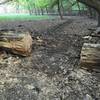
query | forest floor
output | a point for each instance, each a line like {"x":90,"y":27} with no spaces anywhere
{"x":52,"y":72}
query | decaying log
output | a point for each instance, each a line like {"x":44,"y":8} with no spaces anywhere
{"x":18,"y":43}
{"x":90,"y":56}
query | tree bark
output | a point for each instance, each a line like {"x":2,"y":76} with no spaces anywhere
{"x":62,"y":7}
{"x":59,"y":9}
{"x":95,"y":4}
{"x":79,"y":7}
{"x":47,"y":10}
{"x":90,"y":56}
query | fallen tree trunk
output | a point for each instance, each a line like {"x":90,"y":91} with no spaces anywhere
{"x":18,"y":43}
{"x":90,"y":56}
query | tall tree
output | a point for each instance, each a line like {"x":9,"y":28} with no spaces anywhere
{"x":58,"y":4}
{"x":42,"y":4}
{"x":95,"y":4}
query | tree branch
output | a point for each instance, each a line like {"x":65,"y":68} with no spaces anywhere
{"x":3,"y":2}
{"x":91,"y":3}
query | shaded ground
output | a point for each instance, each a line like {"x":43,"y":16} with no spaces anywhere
{"x":52,"y":72}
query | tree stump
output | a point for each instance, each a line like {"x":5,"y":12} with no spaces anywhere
{"x":18,"y":43}
{"x":90,"y":56}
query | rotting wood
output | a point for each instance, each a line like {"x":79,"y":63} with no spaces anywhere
{"x":20,"y":43}
{"x":90,"y":56}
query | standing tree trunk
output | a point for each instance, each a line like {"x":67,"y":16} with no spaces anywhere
{"x":38,"y":11}
{"x":47,"y":10}
{"x":30,"y":12}
{"x":59,"y":9}
{"x":62,"y":7}
{"x":17,"y":8}
{"x":42,"y":11}
{"x":35,"y":10}
{"x":95,"y":4}
{"x":90,"y":12}
{"x":79,"y":8}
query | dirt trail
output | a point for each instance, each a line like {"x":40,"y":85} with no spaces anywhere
{"x":52,"y":72}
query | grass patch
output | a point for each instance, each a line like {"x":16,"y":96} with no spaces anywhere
{"x":5,"y":17}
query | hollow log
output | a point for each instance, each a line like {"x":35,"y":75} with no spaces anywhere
{"x":18,"y":43}
{"x":90,"y":56}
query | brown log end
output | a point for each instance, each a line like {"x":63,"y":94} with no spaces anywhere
{"x":90,"y":56}
{"x":20,"y":44}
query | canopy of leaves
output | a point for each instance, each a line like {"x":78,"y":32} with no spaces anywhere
{"x":42,"y":3}
{"x":29,"y":4}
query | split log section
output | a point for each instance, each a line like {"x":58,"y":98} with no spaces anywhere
{"x":18,"y":43}
{"x":90,"y":56}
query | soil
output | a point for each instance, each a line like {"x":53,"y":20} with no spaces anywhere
{"x":52,"y":71}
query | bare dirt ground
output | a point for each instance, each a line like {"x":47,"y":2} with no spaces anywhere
{"x":52,"y":72}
